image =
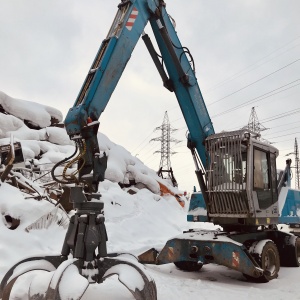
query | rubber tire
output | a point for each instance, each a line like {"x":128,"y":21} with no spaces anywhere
{"x":268,"y":260}
{"x":190,"y":266}
{"x":297,"y":253}
{"x":292,"y":255}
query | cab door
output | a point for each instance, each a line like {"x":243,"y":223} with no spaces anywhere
{"x":264,"y":178}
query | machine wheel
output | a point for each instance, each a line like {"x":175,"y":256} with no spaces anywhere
{"x":188,"y":265}
{"x":268,"y":260}
{"x":296,"y":262}
{"x":292,"y":255}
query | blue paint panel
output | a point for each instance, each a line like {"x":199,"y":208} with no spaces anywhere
{"x":197,"y":201}
{"x":290,"y":208}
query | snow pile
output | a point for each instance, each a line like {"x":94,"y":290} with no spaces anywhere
{"x":18,"y":244}
{"x":123,"y":167}
{"x":52,"y":144}
{"x":37,"y":114}
{"x":124,"y":207}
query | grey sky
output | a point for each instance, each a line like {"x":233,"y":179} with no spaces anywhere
{"x":48,"y":46}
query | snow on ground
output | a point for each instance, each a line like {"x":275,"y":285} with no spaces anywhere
{"x":135,"y":222}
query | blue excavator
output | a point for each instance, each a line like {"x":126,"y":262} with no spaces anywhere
{"x":236,"y":173}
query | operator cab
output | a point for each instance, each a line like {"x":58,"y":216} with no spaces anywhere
{"x":241,"y":180}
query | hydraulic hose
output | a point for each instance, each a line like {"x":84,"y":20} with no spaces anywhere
{"x":59,"y":163}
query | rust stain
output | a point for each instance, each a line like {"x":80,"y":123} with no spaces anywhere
{"x":164,"y":190}
{"x":170,"y":253}
{"x":235,"y":259}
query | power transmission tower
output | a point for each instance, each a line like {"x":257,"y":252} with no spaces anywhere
{"x":253,"y":124}
{"x":297,"y":171}
{"x":296,"y":152}
{"x":165,"y":149}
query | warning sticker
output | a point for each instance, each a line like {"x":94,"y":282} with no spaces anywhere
{"x":132,"y":18}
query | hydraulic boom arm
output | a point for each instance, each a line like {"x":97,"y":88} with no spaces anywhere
{"x":115,"y":51}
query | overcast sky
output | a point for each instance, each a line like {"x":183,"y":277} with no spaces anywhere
{"x":242,"y":51}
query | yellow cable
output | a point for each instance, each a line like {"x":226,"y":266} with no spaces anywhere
{"x":72,"y":177}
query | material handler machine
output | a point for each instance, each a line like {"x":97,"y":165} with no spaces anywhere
{"x":236,"y":174}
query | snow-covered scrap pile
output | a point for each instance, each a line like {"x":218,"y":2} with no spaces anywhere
{"x":31,"y":122}
{"x":33,"y":114}
{"x":131,"y":191}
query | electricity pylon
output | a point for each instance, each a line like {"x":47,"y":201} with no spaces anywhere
{"x":165,"y":149}
{"x":253,"y":124}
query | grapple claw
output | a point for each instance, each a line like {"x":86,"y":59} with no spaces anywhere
{"x":39,"y":285}
{"x":61,"y":288}
{"x":55,"y":283}
{"x":45,"y":263}
{"x":130,"y":273}
{"x":85,"y":234}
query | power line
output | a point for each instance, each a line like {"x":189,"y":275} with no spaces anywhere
{"x":282,"y":115}
{"x":146,"y":138}
{"x":283,"y":150}
{"x":150,"y":149}
{"x":256,"y":99}
{"x":240,"y":73}
{"x":280,"y":131}
{"x":281,"y":141}
{"x":279,"y":116}
{"x":286,"y":134}
{"x":280,"y":69}
{"x":285,"y":124}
